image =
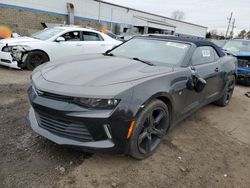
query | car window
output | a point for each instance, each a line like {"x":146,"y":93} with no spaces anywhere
{"x":203,"y":55}
{"x":91,"y":36}
{"x":72,"y":36}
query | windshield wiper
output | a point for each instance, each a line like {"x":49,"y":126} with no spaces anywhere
{"x":143,"y":61}
{"x":108,"y":54}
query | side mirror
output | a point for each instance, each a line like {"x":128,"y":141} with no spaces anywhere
{"x":196,"y":82}
{"x":200,"y":84}
{"x":60,"y":39}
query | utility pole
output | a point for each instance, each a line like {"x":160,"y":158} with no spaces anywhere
{"x":99,"y":11}
{"x":229,"y":22}
{"x":232,"y":31}
{"x":111,"y":19}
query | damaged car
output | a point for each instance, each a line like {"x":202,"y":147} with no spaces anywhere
{"x":241,"y":50}
{"x":125,"y":100}
{"x":52,"y":44}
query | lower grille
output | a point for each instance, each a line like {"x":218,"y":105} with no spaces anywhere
{"x":244,"y":62}
{"x":69,"y":130}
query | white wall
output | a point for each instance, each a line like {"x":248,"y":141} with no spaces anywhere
{"x":90,"y":9}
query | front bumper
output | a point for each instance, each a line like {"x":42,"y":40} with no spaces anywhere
{"x":6,"y":60}
{"x":243,"y":75}
{"x":71,"y":125}
{"x":104,"y":144}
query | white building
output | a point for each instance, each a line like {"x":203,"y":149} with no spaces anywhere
{"x":115,"y":17}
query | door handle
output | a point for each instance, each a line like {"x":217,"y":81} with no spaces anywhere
{"x":216,"y":69}
{"x":78,"y":45}
{"x":102,"y":44}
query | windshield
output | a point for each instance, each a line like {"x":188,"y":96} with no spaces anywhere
{"x":47,"y":33}
{"x":157,"y":52}
{"x":219,"y":43}
{"x":237,"y":46}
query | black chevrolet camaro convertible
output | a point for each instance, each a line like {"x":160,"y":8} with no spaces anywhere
{"x":125,"y":101}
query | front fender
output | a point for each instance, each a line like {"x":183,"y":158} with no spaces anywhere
{"x":149,"y":90}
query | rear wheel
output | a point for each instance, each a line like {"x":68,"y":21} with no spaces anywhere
{"x":151,"y":125}
{"x":227,"y":95}
{"x":35,"y":59}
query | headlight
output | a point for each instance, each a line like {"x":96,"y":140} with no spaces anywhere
{"x":32,"y":93}
{"x":7,"y":48}
{"x":98,"y":103}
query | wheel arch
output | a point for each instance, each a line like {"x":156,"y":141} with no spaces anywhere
{"x":165,"y":98}
{"x":39,"y":50}
{"x":169,"y":104}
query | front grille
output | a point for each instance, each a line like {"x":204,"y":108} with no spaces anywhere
{"x":244,"y":62}
{"x":65,"y":129}
{"x":55,"y":96}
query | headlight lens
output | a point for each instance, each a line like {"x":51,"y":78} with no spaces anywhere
{"x":7,"y":48}
{"x":98,"y":103}
{"x":32,"y":93}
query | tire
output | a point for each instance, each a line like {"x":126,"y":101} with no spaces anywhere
{"x":35,"y":59}
{"x":150,"y":127}
{"x":228,"y":92}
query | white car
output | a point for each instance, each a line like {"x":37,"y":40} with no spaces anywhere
{"x":52,"y":44}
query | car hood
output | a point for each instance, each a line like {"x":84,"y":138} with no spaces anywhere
{"x":239,"y":53}
{"x":242,"y":54}
{"x":18,"y":40}
{"x":99,"y":71}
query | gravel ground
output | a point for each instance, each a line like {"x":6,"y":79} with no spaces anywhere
{"x":209,"y":149}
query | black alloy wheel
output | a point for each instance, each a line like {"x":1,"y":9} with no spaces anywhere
{"x":228,"y":92}
{"x":151,"y":125}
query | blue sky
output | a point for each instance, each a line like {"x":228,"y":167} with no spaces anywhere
{"x":210,"y":13}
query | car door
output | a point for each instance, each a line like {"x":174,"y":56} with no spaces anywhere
{"x":93,"y":42}
{"x":70,"y":47}
{"x":204,"y":61}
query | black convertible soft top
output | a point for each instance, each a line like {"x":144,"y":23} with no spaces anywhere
{"x":197,"y":42}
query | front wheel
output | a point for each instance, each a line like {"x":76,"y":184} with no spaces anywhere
{"x":150,"y":127}
{"x":228,"y":92}
{"x":35,"y":59}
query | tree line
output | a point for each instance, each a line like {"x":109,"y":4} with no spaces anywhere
{"x":243,"y":34}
